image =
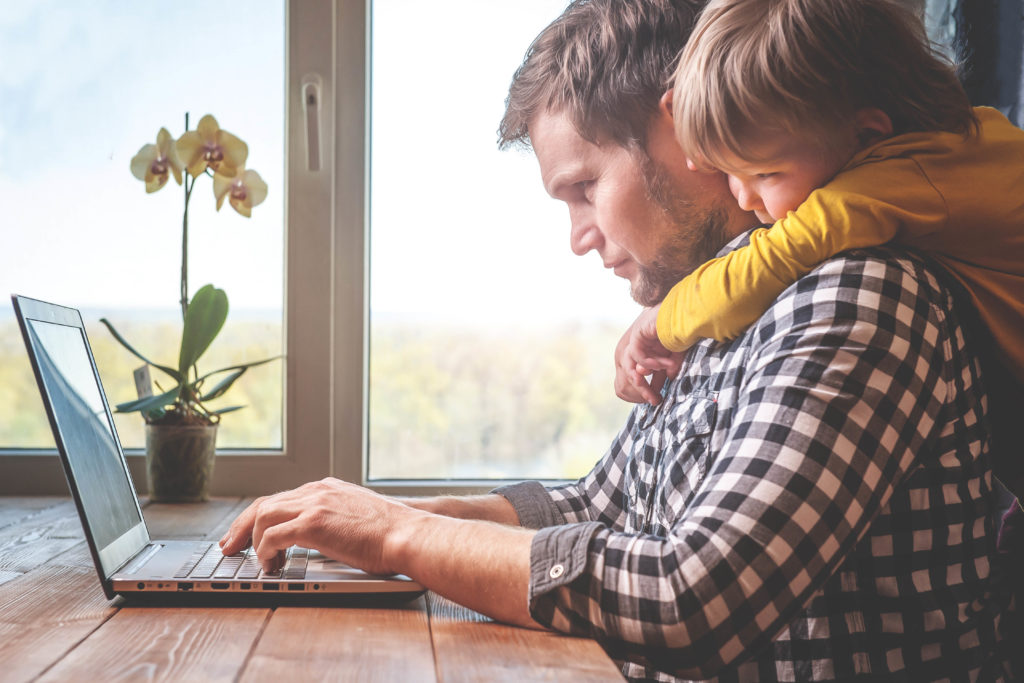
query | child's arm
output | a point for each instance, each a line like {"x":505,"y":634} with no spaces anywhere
{"x":638,"y":354}
{"x":724,"y":296}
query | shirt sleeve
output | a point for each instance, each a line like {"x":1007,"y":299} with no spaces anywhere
{"x":837,"y":398}
{"x":865,"y":205}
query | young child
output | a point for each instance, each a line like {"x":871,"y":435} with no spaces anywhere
{"x":836,"y":120}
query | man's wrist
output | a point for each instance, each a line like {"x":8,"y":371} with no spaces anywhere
{"x":399,"y":547}
{"x":489,"y":507}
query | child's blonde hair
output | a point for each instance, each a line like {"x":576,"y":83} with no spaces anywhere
{"x":804,"y":67}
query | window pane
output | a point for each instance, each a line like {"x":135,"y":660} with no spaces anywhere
{"x":83,"y":88}
{"x":490,"y":342}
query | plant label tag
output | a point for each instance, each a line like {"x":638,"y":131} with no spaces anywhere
{"x":143,"y":381}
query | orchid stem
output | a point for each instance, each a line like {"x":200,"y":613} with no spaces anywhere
{"x":184,"y":240}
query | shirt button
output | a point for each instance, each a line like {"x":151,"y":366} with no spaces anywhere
{"x":556,"y":571}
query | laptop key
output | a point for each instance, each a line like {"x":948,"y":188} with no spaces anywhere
{"x":207,"y":564}
{"x":229,"y":566}
{"x":295,"y":568}
{"x":250,"y":568}
{"x":193,"y":560}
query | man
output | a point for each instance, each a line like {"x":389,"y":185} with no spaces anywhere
{"x":812,"y":501}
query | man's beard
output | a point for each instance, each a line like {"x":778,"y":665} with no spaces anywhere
{"x":700,"y":235}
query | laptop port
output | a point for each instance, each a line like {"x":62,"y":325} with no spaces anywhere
{"x":220,"y":586}
{"x":184,"y":585}
{"x":271,"y":586}
{"x":296,"y":586}
{"x":141,"y":586}
{"x":245,"y":586}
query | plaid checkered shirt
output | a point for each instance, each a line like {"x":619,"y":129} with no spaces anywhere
{"x":811,"y":501}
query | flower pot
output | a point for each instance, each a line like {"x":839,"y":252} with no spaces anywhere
{"x":179,"y":462}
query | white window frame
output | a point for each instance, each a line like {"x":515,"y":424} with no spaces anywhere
{"x":326,"y":283}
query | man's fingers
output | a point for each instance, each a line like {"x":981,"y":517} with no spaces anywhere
{"x":240,"y":532}
{"x":275,"y":540}
{"x":273,"y":512}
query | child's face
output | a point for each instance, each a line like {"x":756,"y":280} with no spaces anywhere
{"x":794,"y":168}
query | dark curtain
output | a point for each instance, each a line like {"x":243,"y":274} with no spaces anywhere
{"x":989,"y":41}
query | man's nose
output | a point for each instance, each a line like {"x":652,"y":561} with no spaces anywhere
{"x":584,"y":235}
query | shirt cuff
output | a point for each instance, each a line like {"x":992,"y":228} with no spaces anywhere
{"x":532,"y":504}
{"x":558,"y":555}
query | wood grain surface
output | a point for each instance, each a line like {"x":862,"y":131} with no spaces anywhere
{"x":56,"y":624}
{"x":470,"y":647}
{"x":345,"y":645}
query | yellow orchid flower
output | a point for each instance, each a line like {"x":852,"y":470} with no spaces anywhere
{"x":244,"y":191}
{"x":209,"y":146}
{"x":153,"y":163}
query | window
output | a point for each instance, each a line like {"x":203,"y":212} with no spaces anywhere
{"x":490,"y":343}
{"x":435,"y":327}
{"x":82,"y":91}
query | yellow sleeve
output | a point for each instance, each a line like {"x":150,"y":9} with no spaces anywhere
{"x":864,"y":206}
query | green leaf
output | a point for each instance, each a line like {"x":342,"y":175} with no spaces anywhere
{"x":227,"y":410}
{"x":149,"y":403}
{"x":154,"y":414}
{"x":232,"y":368}
{"x":205,"y":317}
{"x":170,"y":371}
{"x":236,"y":371}
{"x":222,"y":386}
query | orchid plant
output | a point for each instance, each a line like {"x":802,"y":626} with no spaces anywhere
{"x":211,"y":151}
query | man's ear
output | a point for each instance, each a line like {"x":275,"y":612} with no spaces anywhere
{"x":872,"y":125}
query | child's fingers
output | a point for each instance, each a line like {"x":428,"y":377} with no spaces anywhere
{"x":657,"y":382}
{"x":632,"y":393}
{"x":627,"y":386}
{"x":648,"y":365}
{"x":649,"y":394}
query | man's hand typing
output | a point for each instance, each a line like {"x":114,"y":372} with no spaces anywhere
{"x":343,"y":521}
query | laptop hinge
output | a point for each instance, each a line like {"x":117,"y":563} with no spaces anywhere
{"x":135,"y":564}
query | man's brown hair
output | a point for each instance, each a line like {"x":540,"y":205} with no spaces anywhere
{"x":605,"y":63}
{"x":804,"y":67}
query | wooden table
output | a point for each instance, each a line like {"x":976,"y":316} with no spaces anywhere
{"x":55,"y":623}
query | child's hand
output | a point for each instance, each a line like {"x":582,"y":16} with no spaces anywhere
{"x":639,"y":353}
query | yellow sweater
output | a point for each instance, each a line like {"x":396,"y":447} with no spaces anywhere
{"x":962,"y":200}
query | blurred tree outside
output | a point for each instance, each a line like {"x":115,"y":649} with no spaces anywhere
{"x":459,"y":403}
{"x":24,"y":425}
{"x":446,"y":402}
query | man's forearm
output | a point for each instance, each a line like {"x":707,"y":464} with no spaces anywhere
{"x":489,"y":507}
{"x":482,"y":565}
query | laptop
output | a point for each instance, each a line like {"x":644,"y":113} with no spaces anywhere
{"x":128,"y":561}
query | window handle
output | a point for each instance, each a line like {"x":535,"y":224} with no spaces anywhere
{"x":311,"y":107}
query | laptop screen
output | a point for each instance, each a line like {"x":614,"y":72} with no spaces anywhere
{"x":87,"y":434}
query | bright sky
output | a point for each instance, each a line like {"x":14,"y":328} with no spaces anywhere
{"x":82,"y":87}
{"x":457,"y":227}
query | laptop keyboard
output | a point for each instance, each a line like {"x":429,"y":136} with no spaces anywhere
{"x":207,"y":562}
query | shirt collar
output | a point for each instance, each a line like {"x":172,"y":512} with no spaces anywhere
{"x":740,"y":240}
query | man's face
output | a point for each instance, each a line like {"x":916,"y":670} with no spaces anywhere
{"x":651,"y":220}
